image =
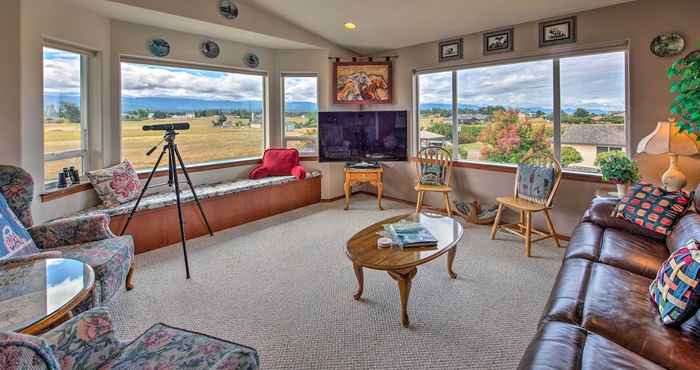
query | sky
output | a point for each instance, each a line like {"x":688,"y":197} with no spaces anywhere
{"x":593,"y":81}
{"x":61,"y":72}
{"x":300,"y":89}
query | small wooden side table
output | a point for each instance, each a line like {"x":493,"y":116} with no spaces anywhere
{"x":356,"y":176}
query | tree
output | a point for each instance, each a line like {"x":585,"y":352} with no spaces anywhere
{"x":441,"y":128}
{"x":489,"y":110}
{"x":581,"y":113}
{"x":69,"y":112}
{"x":569,"y":156}
{"x":220,"y":120}
{"x":508,"y":139}
{"x":142,"y":113}
{"x":160,"y":115}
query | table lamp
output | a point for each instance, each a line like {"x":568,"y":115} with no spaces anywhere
{"x":667,"y":139}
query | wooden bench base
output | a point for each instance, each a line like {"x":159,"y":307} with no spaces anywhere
{"x":156,"y":228}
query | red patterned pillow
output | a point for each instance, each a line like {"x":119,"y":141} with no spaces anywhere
{"x":652,"y":207}
{"x":116,"y":185}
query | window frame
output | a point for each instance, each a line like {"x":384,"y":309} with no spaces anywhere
{"x":86,"y":59}
{"x":616,"y":47}
{"x":206,"y":67}
{"x":313,"y":139}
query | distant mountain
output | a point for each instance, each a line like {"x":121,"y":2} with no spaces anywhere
{"x":569,"y":110}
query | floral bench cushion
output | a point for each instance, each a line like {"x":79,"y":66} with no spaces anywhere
{"x":182,"y":349}
{"x":167,"y":198}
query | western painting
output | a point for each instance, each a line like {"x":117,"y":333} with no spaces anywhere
{"x":362,"y":83}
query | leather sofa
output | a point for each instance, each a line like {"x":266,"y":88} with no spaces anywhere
{"x":599,"y":314}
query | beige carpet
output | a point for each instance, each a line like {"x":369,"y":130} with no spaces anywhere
{"x":284,"y":286}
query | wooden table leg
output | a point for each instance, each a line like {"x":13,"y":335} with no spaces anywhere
{"x":380,"y":191}
{"x":450,"y":259}
{"x":360,"y":280}
{"x":346,"y":187}
{"x":403,"y":279}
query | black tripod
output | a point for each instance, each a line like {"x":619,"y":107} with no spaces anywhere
{"x":173,"y":159}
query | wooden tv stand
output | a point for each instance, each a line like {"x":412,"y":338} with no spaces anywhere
{"x":356,"y":176}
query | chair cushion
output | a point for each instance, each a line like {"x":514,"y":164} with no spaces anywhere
{"x":110,"y":258}
{"x":20,"y":352}
{"x":165,"y":347}
{"x":116,"y":185}
{"x":654,"y":208}
{"x":17,"y":186}
{"x":675,"y":289}
{"x":535,"y":183}
{"x":16,"y":241}
{"x":431,"y":174}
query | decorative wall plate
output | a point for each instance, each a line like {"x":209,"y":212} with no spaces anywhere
{"x":210,"y":49}
{"x":251,"y":60}
{"x":159,"y":47}
{"x":667,"y":44}
{"x":228,"y":9}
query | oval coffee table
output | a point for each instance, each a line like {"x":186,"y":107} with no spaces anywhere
{"x":39,"y":294}
{"x":402,"y":263}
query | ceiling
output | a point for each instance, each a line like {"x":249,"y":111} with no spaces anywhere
{"x":391,"y":24}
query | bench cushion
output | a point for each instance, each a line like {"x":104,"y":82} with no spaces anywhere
{"x":167,"y":198}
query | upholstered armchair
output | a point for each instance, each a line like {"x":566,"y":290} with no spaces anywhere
{"x":85,"y":238}
{"x":88,"y":342}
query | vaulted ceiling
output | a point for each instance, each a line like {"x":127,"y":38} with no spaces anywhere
{"x":391,"y":24}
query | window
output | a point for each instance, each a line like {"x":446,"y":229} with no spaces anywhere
{"x":300,"y":112}
{"x":65,"y":111}
{"x":225,"y":110}
{"x":505,"y":111}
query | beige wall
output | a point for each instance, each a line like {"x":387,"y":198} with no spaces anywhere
{"x":638,"y":22}
{"x":10,"y":140}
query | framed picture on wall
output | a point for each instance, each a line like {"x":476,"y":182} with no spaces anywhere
{"x":362,"y":83}
{"x":559,"y":31}
{"x":498,"y":42}
{"x":450,"y":50}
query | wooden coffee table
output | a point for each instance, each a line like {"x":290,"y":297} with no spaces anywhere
{"x":402,"y":263}
{"x":37,"y":295}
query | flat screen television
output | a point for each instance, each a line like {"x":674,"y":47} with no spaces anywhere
{"x":362,"y":136}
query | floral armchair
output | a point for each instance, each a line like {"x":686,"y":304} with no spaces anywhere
{"x":85,"y":238}
{"x":88,"y":342}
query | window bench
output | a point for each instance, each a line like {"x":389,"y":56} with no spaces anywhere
{"x":226,"y":204}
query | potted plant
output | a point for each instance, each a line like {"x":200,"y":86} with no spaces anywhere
{"x":618,"y":169}
{"x":685,"y":83}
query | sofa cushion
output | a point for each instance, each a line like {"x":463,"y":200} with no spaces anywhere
{"x":563,"y":346}
{"x":687,"y":229}
{"x":16,"y":241}
{"x":166,"y":347}
{"x":117,"y":184}
{"x":654,"y":208}
{"x":676,"y":290}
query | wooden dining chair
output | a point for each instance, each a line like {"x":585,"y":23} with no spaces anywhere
{"x":536,"y":183}
{"x":433,"y":169}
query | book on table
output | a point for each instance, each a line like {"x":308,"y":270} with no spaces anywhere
{"x":410,"y":234}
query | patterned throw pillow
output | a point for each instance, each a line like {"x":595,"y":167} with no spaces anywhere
{"x":116,"y":185}
{"x":675,"y":290}
{"x":535,"y":183}
{"x":652,"y":207}
{"x":431,"y":174}
{"x":16,"y":241}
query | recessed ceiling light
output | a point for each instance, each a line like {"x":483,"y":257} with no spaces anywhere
{"x":350,"y":26}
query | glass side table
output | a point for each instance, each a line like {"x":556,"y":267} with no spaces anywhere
{"x":37,"y":295}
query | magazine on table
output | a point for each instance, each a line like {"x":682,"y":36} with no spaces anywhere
{"x":410,"y":234}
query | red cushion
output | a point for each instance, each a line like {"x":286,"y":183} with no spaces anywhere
{"x":279,"y":162}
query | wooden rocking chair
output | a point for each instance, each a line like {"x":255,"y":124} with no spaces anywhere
{"x":526,"y":207}
{"x":433,"y":169}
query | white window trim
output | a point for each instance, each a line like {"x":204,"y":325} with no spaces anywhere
{"x":621,"y":46}
{"x":311,"y":139}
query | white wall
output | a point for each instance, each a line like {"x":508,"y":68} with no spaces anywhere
{"x":10,"y":140}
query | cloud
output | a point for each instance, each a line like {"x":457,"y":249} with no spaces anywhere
{"x":300,"y":89}
{"x":140,"y":80}
{"x":61,"y":72}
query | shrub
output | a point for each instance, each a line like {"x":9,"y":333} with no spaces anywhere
{"x":569,"y":156}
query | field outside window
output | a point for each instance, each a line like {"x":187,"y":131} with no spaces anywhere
{"x":300,"y":112}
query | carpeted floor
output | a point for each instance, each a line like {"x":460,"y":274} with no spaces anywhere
{"x":284,"y":286}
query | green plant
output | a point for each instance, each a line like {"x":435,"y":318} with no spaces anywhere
{"x":569,"y":156}
{"x":685,"y":83}
{"x":510,"y":137}
{"x":616,"y":167}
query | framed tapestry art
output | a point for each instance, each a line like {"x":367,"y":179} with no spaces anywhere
{"x":362,"y":83}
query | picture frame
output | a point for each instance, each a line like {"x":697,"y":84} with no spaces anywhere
{"x":360,"y":83}
{"x":668,"y":44}
{"x":450,"y":50}
{"x":497,"y":42}
{"x":558,"y":31}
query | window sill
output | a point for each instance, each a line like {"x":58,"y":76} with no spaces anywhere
{"x":511,"y":168}
{"x":57,"y":193}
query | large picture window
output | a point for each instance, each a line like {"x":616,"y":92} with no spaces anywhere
{"x":300,"y":112}
{"x":505,"y":111}
{"x":65,"y":111}
{"x":225,"y":110}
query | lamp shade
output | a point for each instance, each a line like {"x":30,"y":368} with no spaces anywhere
{"x":667,"y":139}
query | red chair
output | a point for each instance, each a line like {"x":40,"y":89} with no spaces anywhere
{"x":279,"y":162}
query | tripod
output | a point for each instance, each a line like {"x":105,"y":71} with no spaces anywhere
{"x":174,"y":159}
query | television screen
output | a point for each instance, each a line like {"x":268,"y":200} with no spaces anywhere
{"x":362,"y":136}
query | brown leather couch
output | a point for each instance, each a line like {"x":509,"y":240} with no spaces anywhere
{"x":599,"y":315}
